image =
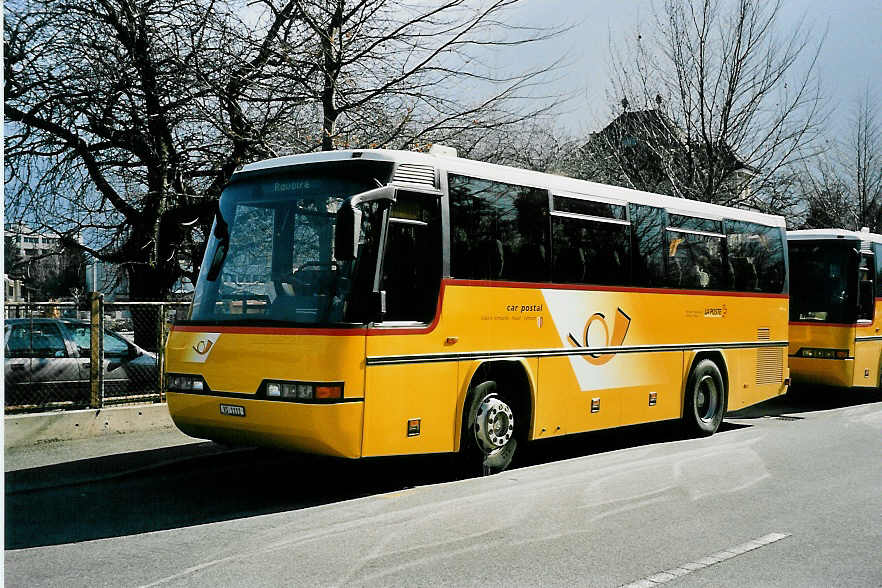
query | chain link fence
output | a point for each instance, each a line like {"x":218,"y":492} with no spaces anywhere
{"x":51,"y":363}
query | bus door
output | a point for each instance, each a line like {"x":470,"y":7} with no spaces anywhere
{"x":867,"y":349}
{"x":409,"y":401}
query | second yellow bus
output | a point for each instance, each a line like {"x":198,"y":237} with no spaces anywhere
{"x":835,"y":337}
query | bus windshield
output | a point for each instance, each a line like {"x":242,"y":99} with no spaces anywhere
{"x":821,"y":283}
{"x":270,"y":256}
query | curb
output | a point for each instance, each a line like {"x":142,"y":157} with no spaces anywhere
{"x":33,"y":429}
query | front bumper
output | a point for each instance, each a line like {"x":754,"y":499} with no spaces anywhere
{"x":326,"y":429}
{"x":822,"y":372}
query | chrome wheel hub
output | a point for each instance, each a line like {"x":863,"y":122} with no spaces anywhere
{"x":494,"y":424}
{"x":706,"y":398}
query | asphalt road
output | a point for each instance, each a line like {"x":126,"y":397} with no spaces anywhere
{"x":788,"y":493}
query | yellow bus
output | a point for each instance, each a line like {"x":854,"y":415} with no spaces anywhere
{"x":835,"y":337}
{"x":374,"y":303}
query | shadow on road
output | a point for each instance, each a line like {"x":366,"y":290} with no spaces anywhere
{"x":178,"y":487}
{"x":171,"y":489}
{"x":809,"y":399}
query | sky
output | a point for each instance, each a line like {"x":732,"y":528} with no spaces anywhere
{"x":850,"y":58}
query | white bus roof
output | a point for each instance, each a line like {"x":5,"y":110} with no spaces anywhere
{"x":822,"y":234}
{"x":559,"y":184}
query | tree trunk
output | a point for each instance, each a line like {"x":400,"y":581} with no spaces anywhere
{"x":148,"y":284}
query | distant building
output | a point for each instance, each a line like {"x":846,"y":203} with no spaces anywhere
{"x":646,"y":150}
{"x":42,"y":249}
{"x":46,"y":268}
{"x":12,"y":289}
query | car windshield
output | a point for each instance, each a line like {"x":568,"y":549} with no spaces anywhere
{"x":271,"y":253}
{"x":822,"y":288}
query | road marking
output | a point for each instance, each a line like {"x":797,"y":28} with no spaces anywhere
{"x":704,"y":562}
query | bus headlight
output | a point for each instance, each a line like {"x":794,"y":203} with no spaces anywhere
{"x":304,"y":391}
{"x":184,"y":383}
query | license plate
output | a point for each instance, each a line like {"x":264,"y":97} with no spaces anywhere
{"x":232,"y":410}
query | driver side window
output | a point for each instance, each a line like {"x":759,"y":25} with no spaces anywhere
{"x":113,"y":345}
{"x":412,"y":259}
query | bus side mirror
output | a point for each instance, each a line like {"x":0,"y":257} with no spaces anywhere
{"x":347,"y":232}
{"x":222,"y":233}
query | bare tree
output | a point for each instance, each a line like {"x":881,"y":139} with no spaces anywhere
{"x":400,"y":73}
{"x":535,"y":144}
{"x":126,"y":118}
{"x":864,"y":167}
{"x":109,"y":143}
{"x":843,"y":189}
{"x":716,"y":99}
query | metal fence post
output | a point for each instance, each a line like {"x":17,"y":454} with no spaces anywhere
{"x":160,"y":351}
{"x":96,"y":346}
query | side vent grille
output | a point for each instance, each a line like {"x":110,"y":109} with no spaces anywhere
{"x":413,"y":173}
{"x":769,"y":365}
{"x":769,"y":360}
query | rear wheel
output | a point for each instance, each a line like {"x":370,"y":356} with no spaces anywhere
{"x":488,"y":435}
{"x":705,"y":401}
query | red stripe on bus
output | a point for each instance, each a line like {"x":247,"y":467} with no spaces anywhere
{"x":248,"y":330}
{"x":332,"y":331}
{"x":343,"y":332}
{"x":597,"y":288}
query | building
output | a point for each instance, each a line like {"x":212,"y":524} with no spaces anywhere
{"x":40,"y":248}
{"x":39,"y":261}
{"x":646,"y":150}
{"x":12,"y":289}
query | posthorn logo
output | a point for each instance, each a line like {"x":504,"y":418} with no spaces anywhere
{"x":203,"y":346}
{"x":598,"y":321}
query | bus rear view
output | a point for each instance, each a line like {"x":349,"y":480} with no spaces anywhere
{"x":834,"y":326}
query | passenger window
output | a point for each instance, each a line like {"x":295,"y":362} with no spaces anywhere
{"x":412,"y":258}
{"x":648,"y":238}
{"x":694,"y":223}
{"x":18,"y":343}
{"x":115,"y":346}
{"x":589,"y":208}
{"x":37,"y":340}
{"x":590,"y":252}
{"x":756,"y":256}
{"x":81,"y":335}
{"x":498,"y":231}
{"x":695,"y":261}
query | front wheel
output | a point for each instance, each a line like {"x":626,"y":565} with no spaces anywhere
{"x":705,"y":401}
{"x":488,"y":436}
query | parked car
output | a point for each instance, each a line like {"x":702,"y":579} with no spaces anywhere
{"x":48,"y":360}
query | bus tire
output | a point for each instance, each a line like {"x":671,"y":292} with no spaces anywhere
{"x":705,"y":402}
{"x":488,"y":440}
